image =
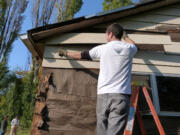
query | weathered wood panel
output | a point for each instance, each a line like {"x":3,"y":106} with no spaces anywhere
{"x":172,"y":49}
{"x":156,"y":69}
{"x":149,"y":47}
{"x":151,"y":58}
{"x":57,"y":63}
{"x":175,"y":36}
{"x":132,"y":25}
{"x":166,"y":11}
{"x":99,"y":38}
{"x":146,"y":27}
{"x":142,"y":57}
{"x":69,"y":82}
{"x":72,"y":102}
{"x":163,"y":19}
{"x":149,"y":20}
{"x":51,"y":51}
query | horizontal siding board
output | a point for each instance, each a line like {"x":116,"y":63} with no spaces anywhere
{"x":166,"y":11}
{"x":163,"y":19}
{"x":156,"y":59}
{"x":72,"y":38}
{"x":175,"y":37}
{"x":52,"y":51}
{"x":155,"y":69}
{"x":167,"y":28}
{"x":132,"y":25}
{"x":82,"y":38}
{"x":149,"y":20}
{"x":145,"y":22}
{"x":82,"y":47}
{"x":172,"y":49}
{"x":141,"y":57}
{"x":150,"y":47}
{"x":57,"y":63}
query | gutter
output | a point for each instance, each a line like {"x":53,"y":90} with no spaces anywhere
{"x":40,"y":55}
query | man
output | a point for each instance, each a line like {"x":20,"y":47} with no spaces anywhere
{"x":4,"y":125}
{"x":14,"y":125}
{"x":114,"y":82}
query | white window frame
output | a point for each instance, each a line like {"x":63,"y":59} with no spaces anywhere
{"x":163,"y":113}
{"x":155,"y":94}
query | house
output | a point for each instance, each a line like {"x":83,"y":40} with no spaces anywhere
{"x":67,"y":89}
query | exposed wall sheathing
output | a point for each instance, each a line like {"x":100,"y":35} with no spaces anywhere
{"x":70,"y":101}
{"x":70,"y":105}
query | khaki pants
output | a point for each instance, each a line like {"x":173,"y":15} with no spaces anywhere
{"x":13,"y":130}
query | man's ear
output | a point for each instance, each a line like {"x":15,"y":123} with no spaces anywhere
{"x":111,"y":34}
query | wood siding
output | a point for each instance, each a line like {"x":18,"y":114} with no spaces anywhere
{"x":99,"y":38}
{"x":152,"y":62}
{"x":149,"y":20}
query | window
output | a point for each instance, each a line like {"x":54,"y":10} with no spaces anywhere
{"x":169,"y":93}
{"x":164,"y":92}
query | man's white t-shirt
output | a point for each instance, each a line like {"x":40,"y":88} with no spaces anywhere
{"x":115,"y":66}
{"x":15,"y":122}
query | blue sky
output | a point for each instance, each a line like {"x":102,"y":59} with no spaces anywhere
{"x":19,"y":55}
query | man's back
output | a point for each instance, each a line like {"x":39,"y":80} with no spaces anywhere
{"x":115,"y":66}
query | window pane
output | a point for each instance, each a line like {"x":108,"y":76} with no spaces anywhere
{"x":169,"y":93}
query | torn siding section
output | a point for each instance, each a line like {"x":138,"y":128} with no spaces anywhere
{"x":67,"y":103}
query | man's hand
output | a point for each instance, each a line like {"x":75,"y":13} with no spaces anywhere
{"x":127,"y":39}
{"x":124,"y":35}
{"x":62,"y":52}
{"x":73,"y":55}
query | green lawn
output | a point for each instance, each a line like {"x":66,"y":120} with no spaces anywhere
{"x":21,"y":131}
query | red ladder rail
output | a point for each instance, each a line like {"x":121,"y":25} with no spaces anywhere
{"x":133,"y":105}
{"x":135,"y":110}
{"x":153,"y":111}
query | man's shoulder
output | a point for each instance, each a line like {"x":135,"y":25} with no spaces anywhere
{"x":129,"y":45}
{"x":102,"y":45}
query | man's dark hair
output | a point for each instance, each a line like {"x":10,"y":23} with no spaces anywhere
{"x":116,"y":29}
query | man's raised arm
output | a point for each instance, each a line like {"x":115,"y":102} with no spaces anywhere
{"x":75,"y":55}
{"x":127,"y":39}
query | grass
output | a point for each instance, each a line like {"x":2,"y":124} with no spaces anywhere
{"x":20,"y":131}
